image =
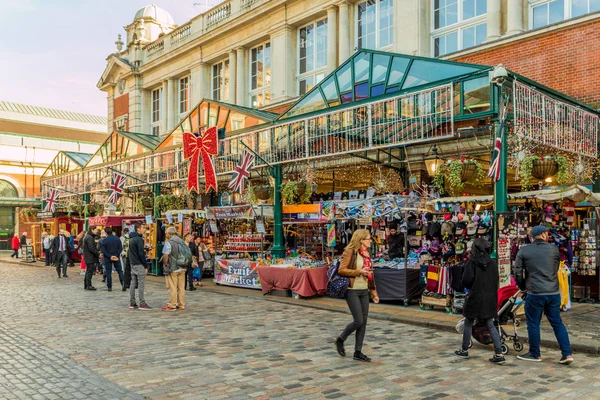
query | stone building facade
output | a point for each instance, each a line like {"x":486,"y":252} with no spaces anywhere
{"x":266,"y":53}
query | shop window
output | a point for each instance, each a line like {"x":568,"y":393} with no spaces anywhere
{"x":312,"y":54}
{"x":260,"y":75}
{"x":375,"y":24}
{"x":457,"y":25}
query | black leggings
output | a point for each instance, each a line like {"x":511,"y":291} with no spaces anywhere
{"x":358,"y":302}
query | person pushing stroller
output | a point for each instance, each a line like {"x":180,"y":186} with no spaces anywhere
{"x":481,"y":278}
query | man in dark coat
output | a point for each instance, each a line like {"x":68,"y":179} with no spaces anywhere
{"x":61,"y":248}
{"x":481,"y":278}
{"x":536,"y":270}
{"x":395,"y":242}
{"x":112,"y":248}
{"x":91,"y":256}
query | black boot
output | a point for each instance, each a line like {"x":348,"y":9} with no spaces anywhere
{"x":361,"y":357}
{"x":339,"y":345}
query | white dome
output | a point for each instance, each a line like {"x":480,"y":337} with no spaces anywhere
{"x":158,"y":14}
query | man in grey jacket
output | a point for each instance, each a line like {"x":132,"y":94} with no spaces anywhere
{"x":174,"y":273}
{"x":536,"y":270}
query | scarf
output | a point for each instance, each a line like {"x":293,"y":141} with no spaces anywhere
{"x":366,"y":261}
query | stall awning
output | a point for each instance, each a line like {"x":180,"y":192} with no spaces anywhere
{"x":576,"y":193}
{"x":113,"y":220}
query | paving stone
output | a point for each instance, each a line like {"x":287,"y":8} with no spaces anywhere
{"x":89,"y":345}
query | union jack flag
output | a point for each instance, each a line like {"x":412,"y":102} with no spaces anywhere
{"x":51,"y":201}
{"x":117,"y":182}
{"x":241,"y":173}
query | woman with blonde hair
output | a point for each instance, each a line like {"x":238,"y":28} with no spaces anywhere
{"x":356,"y":265}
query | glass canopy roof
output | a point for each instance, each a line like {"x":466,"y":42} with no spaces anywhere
{"x":226,"y":117}
{"x":369,"y":74}
{"x":121,"y":144}
{"x":67,"y":161}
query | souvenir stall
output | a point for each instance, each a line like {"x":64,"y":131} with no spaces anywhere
{"x":397,"y":279}
{"x":242,"y":235}
{"x":53,"y":223}
{"x":187,"y":221}
{"x":447,"y":235}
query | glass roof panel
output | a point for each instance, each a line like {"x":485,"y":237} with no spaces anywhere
{"x":423,"y":72}
{"x":313,"y":102}
{"x":380,"y":68}
{"x":399,"y":65}
{"x":329,"y":89}
{"x":383,"y":73}
{"x":362,"y":63}
{"x":344,"y":77}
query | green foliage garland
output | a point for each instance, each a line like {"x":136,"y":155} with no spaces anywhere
{"x":563,"y":176}
{"x":451,"y":173}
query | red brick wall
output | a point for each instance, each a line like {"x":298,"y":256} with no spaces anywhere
{"x":566,"y":60}
{"x":121,"y":105}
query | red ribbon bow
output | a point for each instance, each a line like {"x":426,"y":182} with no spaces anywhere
{"x":193,"y":146}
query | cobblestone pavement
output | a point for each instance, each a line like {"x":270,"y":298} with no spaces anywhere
{"x":230,"y":347}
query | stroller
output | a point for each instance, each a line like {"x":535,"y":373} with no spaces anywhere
{"x":509,"y":301}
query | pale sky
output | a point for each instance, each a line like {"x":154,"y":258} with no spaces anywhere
{"x":53,"y":52}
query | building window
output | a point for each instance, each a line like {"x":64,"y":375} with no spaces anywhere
{"x":375,"y":26}
{"x":184,"y":95}
{"x":458,"y":25}
{"x":156,"y":111}
{"x":580,"y":7}
{"x":547,"y":12}
{"x":312,"y":54}
{"x":220,"y":81}
{"x":260,"y":75}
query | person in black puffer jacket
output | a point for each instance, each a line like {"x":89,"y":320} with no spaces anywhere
{"x":481,"y":278}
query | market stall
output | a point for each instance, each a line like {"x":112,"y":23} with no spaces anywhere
{"x":53,"y":223}
{"x":242,"y":237}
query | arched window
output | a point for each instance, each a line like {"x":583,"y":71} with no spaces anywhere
{"x":7,"y":189}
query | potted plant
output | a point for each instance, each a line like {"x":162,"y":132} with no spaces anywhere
{"x":293,"y":192}
{"x":144,"y":203}
{"x":455,"y":173}
{"x":542,"y":167}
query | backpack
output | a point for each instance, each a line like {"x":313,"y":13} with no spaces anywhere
{"x":184,"y":255}
{"x":338,"y":285}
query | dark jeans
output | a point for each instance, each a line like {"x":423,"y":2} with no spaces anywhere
{"x":47,"y":254}
{"x":535,"y":306}
{"x":108,"y":267}
{"x":89,"y":273}
{"x":489,"y":323}
{"x":127,"y":274}
{"x":15,"y":253}
{"x":61,"y":261}
{"x":189,"y":281}
{"x":358,"y":302}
